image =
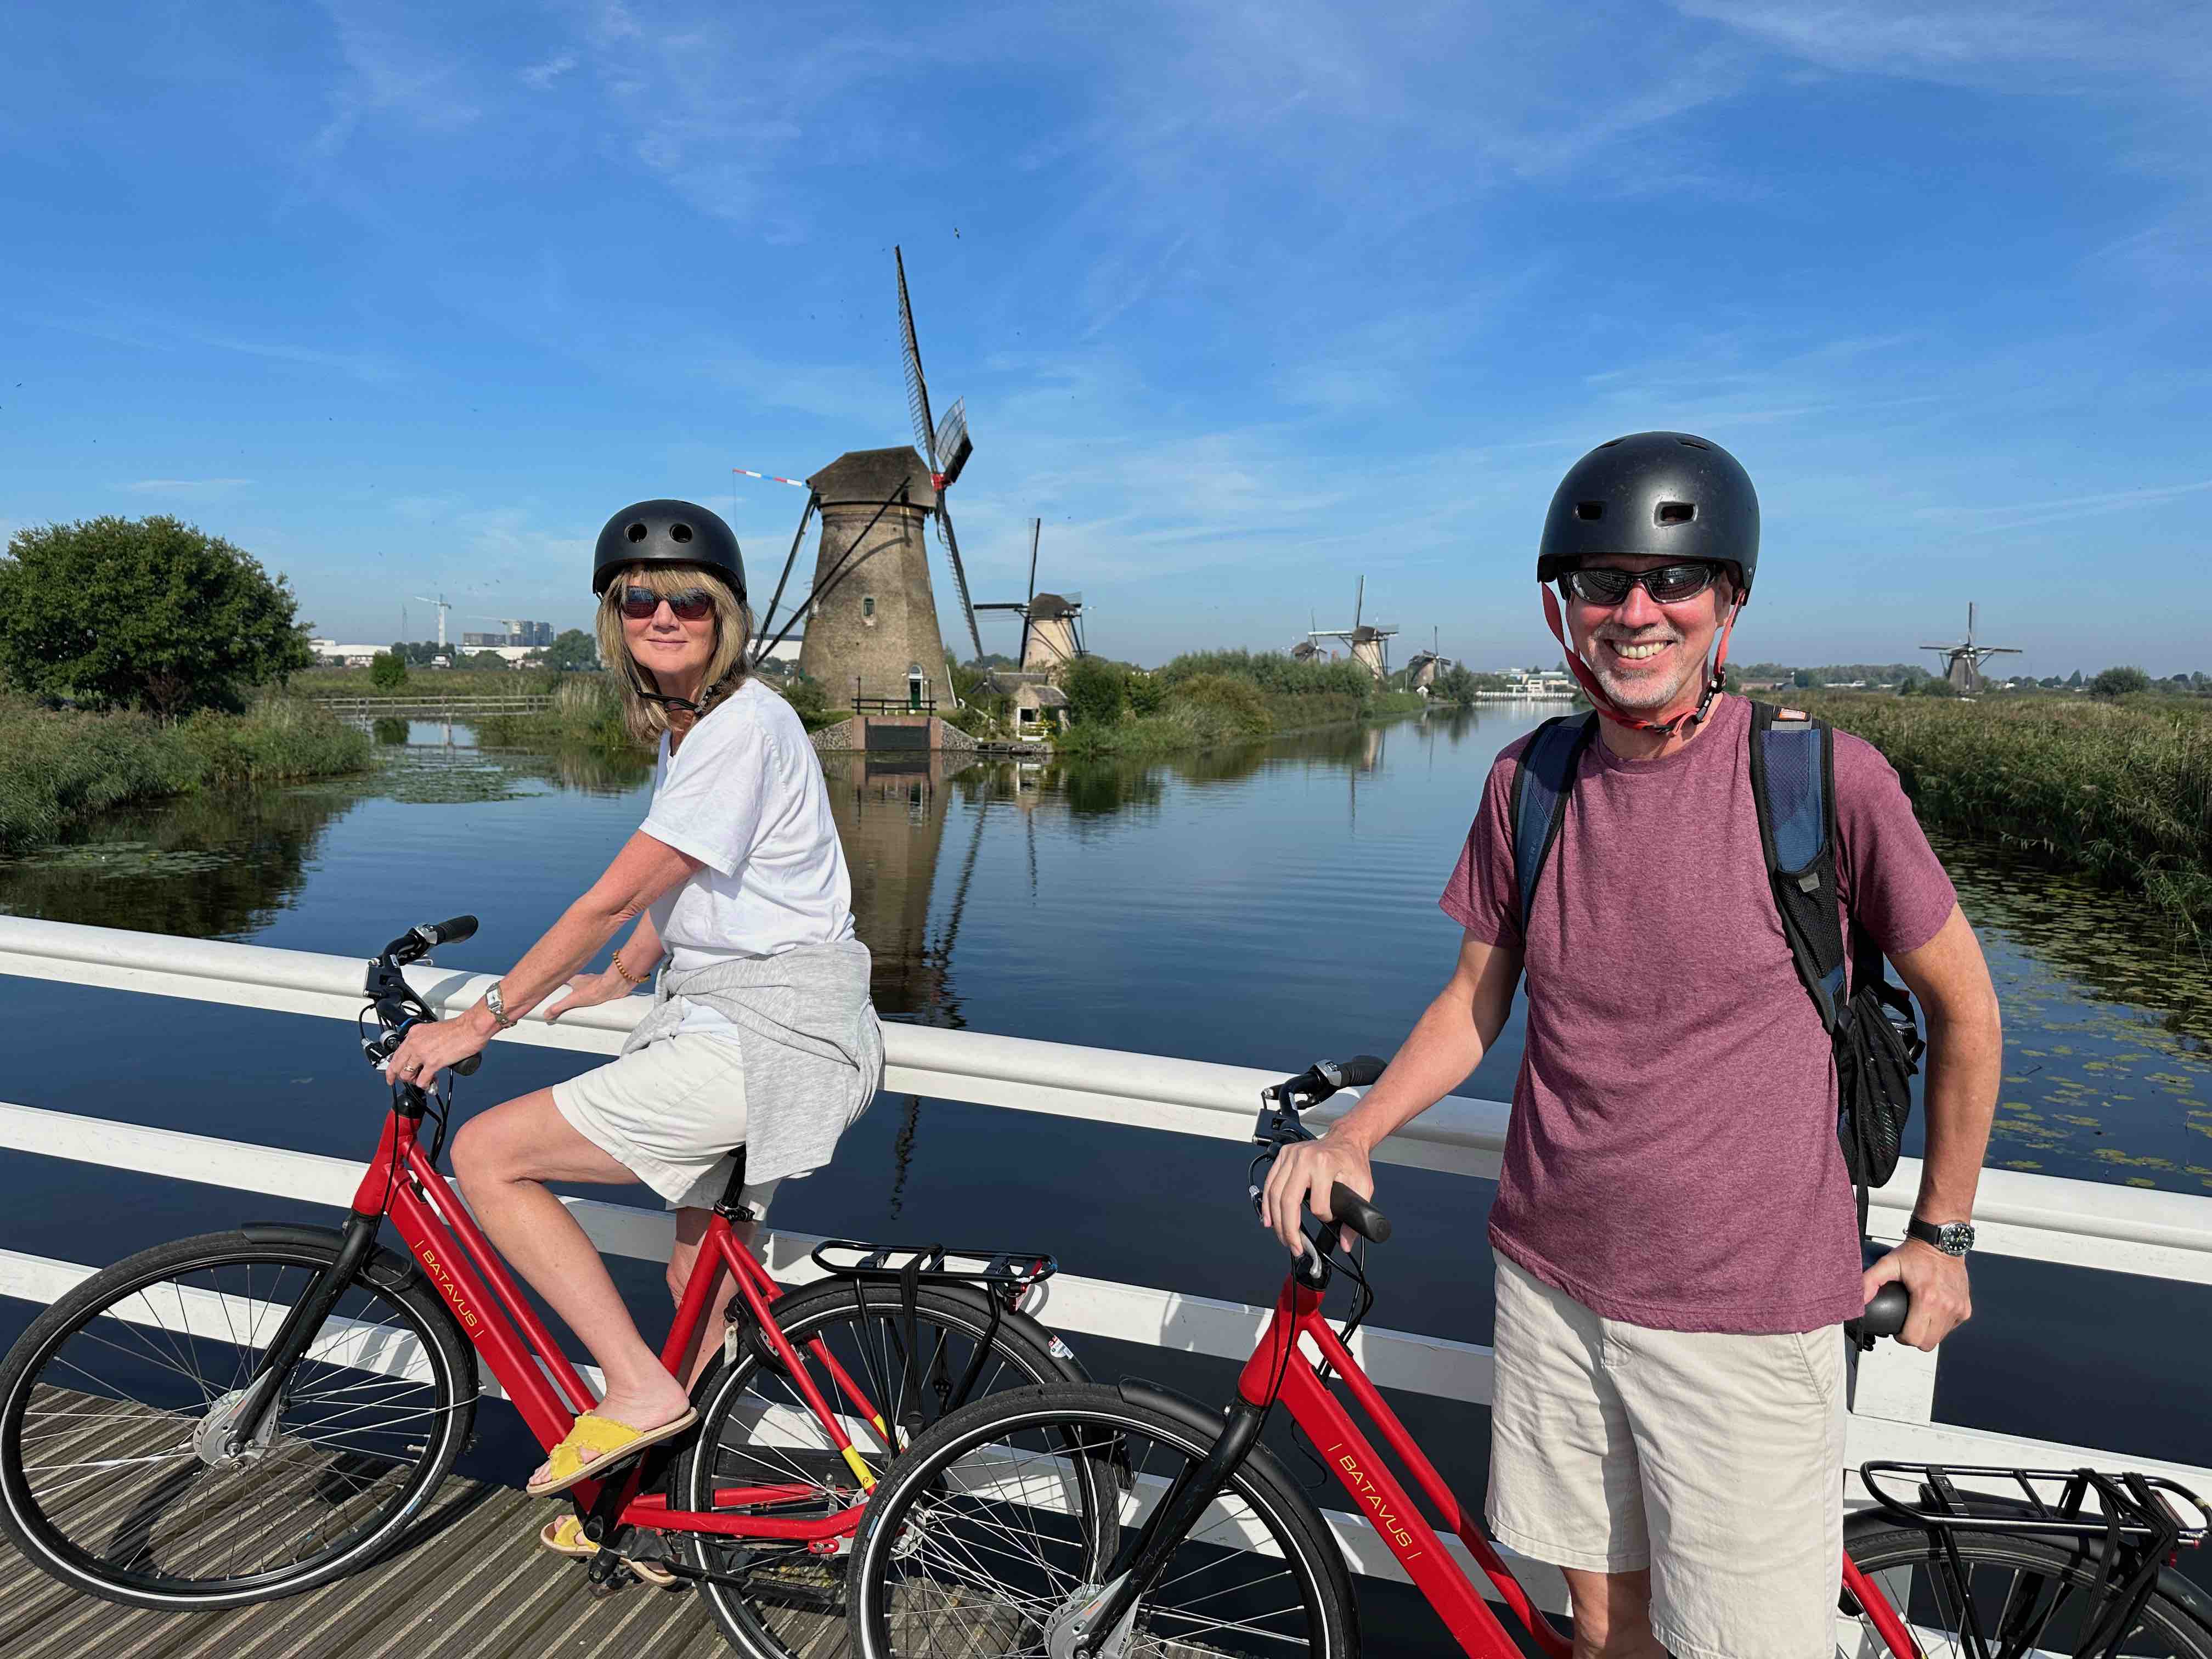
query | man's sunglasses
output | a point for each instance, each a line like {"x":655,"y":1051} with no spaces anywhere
{"x":691,"y":605}
{"x":1670,"y":584}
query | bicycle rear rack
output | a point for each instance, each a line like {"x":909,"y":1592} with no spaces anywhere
{"x":2132,"y":1526}
{"x":2139,"y":1509}
{"x":1006,"y":1276}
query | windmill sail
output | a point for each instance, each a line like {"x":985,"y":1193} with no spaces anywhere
{"x":946,"y":447}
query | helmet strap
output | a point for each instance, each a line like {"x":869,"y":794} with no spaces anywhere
{"x":1612,"y":710}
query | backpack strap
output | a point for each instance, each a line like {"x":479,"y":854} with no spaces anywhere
{"x":1793,"y":780}
{"x":1540,"y":784}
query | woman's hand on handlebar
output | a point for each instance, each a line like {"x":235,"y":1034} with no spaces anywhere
{"x":589,"y":990}
{"x":1298,"y":1185}
{"x":431,"y":1045}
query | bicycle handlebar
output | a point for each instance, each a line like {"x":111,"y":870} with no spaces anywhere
{"x":451,"y":931}
{"x":1356,"y":1213}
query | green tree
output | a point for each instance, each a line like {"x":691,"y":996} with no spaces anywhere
{"x":2118,"y":682}
{"x":1096,"y":691}
{"x":388,"y":670}
{"x":571,"y":648}
{"x":142,"y":613}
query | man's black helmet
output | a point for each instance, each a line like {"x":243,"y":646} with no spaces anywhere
{"x":1665,"y":493}
{"x":668,"y":532}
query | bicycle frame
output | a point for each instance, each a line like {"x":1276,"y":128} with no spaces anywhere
{"x":1278,"y":1372}
{"x":403,"y":1184}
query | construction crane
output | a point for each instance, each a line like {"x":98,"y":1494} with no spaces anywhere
{"x":443,"y":607}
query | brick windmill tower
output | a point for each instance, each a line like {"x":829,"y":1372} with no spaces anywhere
{"x":871,"y":631}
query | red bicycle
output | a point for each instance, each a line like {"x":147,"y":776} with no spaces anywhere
{"x":1092,"y":1522}
{"x":247,"y":1414}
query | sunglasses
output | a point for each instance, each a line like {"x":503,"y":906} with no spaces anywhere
{"x":692,"y":604}
{"x":1670,"y":584}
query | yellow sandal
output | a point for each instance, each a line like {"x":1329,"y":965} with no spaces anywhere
{"x":566,"y":1537}
{"x":597,"y":1444}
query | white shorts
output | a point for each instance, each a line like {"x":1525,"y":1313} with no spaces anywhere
{"x":1715,"y":1460}
{"x":669,"y":1113}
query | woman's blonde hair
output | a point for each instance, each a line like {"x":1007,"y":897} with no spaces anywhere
{"x":726,"y":668}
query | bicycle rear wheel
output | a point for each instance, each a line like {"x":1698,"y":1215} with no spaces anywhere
{"x":114,"y":1476}
{"x":2029,"y":1596}
{"x":774,"y":1600}
{"x":984,"y":1534}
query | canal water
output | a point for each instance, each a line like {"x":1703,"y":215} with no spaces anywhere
{"x":1262,"y":906}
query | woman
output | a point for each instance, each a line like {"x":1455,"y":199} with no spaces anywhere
{"x":761,"y":1035}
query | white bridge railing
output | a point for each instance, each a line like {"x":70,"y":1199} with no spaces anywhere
{"x":2116,"y":1229}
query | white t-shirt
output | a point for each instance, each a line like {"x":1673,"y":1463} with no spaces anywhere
{"x":744,"y":796}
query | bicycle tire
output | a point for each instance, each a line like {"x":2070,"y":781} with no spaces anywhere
{"x":1904,"y":1561}
{"x":158,"y":1510}
{"x":790,"y":1588}
{"x":921,"y":1588}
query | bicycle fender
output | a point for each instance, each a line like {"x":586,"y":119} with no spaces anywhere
{"x":385,"y":1264}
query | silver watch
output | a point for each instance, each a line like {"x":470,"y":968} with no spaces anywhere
{"x":497,"y":1003}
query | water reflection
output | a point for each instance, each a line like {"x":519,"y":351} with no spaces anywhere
{"x":891,"y":815}
{"x":213,"y":866}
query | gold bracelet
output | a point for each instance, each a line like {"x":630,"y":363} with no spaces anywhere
{"x":621,"y":969}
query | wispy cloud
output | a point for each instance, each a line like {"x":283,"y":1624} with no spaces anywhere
{"x":541,"y":77}
{"x":2019,"y":515}
{"x":156,"y":333}
{"x":389,"y":74}
{"x":190,"y":488}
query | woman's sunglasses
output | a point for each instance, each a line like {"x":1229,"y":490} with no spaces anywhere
{"x":1670,"y":584}
{"x":692,"y":604}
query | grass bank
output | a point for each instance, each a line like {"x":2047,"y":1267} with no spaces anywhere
{"x":57,"y":769}
{"x":499,"y":682}
{"x":2121,"y":792}
{"x":586,"y":714}
{"x":1223,"y":703}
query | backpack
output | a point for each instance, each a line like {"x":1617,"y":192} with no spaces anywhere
{"x":1869,"y":1021}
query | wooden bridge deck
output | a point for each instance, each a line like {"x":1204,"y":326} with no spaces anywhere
{"x":473,"y":1585}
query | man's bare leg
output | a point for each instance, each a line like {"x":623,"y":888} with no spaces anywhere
{"x":1613,"y":1614}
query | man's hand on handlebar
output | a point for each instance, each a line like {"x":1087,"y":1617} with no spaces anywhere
{"x":1299,"y":1181}
{"x":1942,"y":1301}
{"x":431,"y":1045}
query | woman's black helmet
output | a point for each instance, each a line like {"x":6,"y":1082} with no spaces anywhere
{"x":1665,"y":493}
{"x":668,"y":532}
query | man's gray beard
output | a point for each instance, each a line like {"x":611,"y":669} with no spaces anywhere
{"x":1640,"y":697}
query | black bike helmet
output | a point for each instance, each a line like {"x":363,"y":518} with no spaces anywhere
{"x":1665,"y":493}
{"x":668,"y":532}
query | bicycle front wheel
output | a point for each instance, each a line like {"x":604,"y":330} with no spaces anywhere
{"x":2028,"y":1597}
{"x":987,"y":1532}
{"x":116,"y":1474}
{"x":884,"y":1373}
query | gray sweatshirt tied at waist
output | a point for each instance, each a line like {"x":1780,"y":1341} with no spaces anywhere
{"x":813,"y":1048}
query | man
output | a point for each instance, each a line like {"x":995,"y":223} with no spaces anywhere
{"x":1674,"y":1232}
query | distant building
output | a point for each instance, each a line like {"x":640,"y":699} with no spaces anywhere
{"x":345,"y":656}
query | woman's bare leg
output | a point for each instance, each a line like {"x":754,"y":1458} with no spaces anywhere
{"x":691,"y":1233}
{"x":502,"y":1159}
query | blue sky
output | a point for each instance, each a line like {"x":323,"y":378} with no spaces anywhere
{"x":1245,"y":300}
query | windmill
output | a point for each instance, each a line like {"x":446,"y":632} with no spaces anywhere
{"x":945,"y":445}
{"x":443,"y":607}
{"x":1051,"y":626}
{"x":1369,"y":642}
{"x":1421,"y":672}
{"x":1962,"y":662}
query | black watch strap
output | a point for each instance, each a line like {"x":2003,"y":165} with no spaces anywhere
{"x":1952,"y":1237}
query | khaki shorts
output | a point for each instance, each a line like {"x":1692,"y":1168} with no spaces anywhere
{"x":669,"y":1113}
{"x":1715,"y":1460}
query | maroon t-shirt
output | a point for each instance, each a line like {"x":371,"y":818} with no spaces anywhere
{"x":1672,"y":1156}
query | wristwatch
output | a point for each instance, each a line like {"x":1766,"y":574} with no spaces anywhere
{"x":1952,"y":1237}
{"x":495,"y":1004}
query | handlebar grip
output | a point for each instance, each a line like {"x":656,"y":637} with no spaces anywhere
{"x":468,"y":1067}
{"x":453,"y":930}
{"x":1356,"y":1213}
{"x":1886,"y":1315}
{"x":1354,"y":1073}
